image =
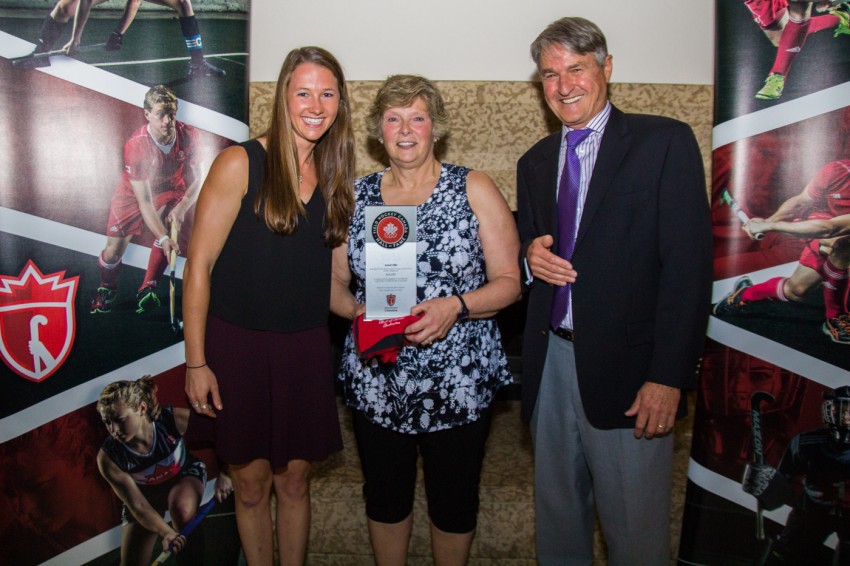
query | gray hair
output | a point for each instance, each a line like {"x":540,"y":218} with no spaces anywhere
{"x":576,"y":35}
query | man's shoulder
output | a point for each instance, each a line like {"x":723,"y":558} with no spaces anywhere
{"x":187,"y":132}
{"x":648,"y":123}
{"x":542,"y":147}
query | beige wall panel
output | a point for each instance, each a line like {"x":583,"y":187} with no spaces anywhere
{"x":494,"y":123}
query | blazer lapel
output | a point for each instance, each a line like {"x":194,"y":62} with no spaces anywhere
{"x":614,"y":146}
{"x":546,"y":179}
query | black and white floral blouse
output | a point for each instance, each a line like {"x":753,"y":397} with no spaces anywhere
{"x":449,"y":383}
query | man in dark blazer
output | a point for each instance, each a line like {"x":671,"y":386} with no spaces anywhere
{"x":602,"y":384}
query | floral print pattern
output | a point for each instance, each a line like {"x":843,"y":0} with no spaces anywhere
{"x":449,"y":383}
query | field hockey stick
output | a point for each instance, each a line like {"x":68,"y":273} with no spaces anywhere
{"x":82,"y":49}
{"x":756,"y":400}
{"x":176,"y":324}
{"x":187,"y":530}
{"x":727,"y":198}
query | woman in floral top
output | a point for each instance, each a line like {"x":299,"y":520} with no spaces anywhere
{"x":435,"y":398}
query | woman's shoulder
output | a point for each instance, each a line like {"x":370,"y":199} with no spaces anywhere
{"x":373,"y":178}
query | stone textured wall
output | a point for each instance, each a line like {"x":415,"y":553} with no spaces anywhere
{"x":494,"y":123}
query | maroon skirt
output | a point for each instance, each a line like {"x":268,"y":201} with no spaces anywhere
{"x":277,"y":392}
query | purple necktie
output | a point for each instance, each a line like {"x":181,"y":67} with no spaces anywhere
{"x":568,"y":193}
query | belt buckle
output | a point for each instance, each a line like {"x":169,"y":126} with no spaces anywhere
{"x":568,"y":335}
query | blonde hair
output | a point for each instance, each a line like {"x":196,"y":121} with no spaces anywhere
{"x":131,"y":394}
{"x":159,"y":94}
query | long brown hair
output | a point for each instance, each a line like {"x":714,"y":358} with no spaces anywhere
{"x":278,"y":201}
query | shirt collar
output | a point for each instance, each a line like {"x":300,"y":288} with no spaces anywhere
{"x":597,"y":123}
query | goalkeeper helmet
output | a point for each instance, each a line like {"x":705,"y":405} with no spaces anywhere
{"x":836,"y":413}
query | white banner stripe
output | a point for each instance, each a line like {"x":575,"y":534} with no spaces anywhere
{"x":730,"y":490}
{"x":225,"y":56}
{"x":778,"y":354}
{"x":108,"y":541}
{"x":88,"y":76}
{"x":71,"y":238}
{"x":780,"y":115}
{"x":756,"y":345}
{"x":86,"y":393}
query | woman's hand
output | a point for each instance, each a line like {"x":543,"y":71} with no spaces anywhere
{"x":223,"y":486}
{"x":436,"y":318}
{"x":201,"y":387}
{"x":174,"y":542}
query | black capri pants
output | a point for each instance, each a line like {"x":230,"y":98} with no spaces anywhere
{"x":451,"y":462}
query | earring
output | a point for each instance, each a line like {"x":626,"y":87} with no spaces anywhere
{"x":381,"y":141}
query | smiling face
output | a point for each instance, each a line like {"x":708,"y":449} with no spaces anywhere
{"x":161,"y":121}
{"x":313,"y":100}
{"x":575,"y":86}
{"x":408,"y":133}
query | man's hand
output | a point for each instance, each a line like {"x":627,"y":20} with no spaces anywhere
{"x":547,"y":266}
{"x":167,"y":245}
{"x":755,"y":227}
{"x":655,"y":407}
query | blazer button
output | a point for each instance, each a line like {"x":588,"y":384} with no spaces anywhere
{"x":543,"y":333}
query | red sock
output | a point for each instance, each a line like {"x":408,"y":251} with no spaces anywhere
{"x":772,"y":289}
{"x":790,"y":44}
{"x":820,"y":23}
{"x":834,"y":289}
{"x":156,"y":267}
{"x":108,"y":272}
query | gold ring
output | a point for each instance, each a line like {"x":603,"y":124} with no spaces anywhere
{"x":195,"y":405}
{"x":204,"y":406}
{"x":661,"y":426}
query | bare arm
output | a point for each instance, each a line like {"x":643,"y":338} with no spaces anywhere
{"x":343,"y":302}
{"x":500,"y":241}
{"x":815,"y":228}
{"x":218,"y":205}
{"x":500,"y":244}
{"x":127,"y":490}
{"x":142,"y":191}
{"x":178,"y":213}
{"x":81,"y":16}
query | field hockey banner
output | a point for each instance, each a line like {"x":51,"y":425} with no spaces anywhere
{"x":770,"y":463}
{"x":95,"y":170}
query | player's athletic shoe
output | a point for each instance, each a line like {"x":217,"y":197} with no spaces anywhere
{"x":732,"y":304}
{"x":772,"y":89}
{"x":102,"y":301}
{"x":838,"y":329}
{"x":146,"y":299}
{"x":115,"y":41}
{"x":842,"y":12}
{"x":205,"y":69}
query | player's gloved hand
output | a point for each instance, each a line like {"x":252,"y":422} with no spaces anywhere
{"x":762,"y":481}
{"x":71,"y":47}
{"x":756,"y":478}
{"x":115,"y":41}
